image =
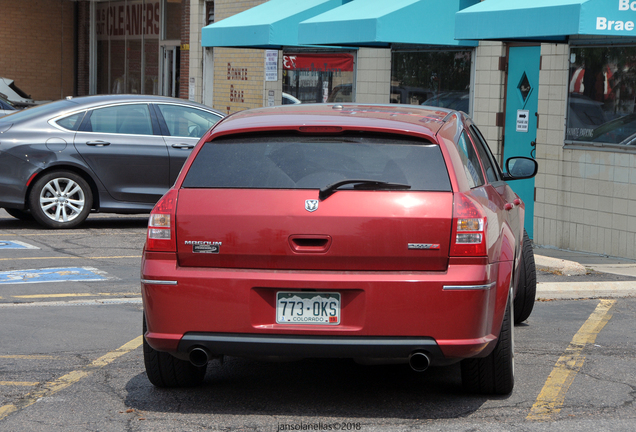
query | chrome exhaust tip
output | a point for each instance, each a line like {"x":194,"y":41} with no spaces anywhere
{"x":419,"y":361}
{"x":199,"y":357}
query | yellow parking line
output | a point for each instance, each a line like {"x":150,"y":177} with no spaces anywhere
{"x":33,"y":296}
{"x":19,"y":383}
{"x":70,"y":378}
{"x":28,"y":357}
{"x":552,"y":396}
{"x":69,"y":257}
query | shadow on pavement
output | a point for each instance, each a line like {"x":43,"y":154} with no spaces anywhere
{"x":313,"y":388}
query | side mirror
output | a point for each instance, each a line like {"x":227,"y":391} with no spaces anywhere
{"x":520,"y":167}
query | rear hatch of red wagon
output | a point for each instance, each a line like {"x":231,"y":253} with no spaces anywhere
{"x":262,"y":201}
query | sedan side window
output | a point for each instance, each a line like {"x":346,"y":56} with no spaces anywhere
{"x":124,"y":119}
{"x":71,"y":122}
{"x":187,"y":121}
{"x":470,"y":161}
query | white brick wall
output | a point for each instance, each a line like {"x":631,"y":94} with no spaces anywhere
{"x":197,"y":22}
{"x":373,"y":76}
{"x":586,"y":199}
{"x":488,"y":92}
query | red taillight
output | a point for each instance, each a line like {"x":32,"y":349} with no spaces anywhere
{"x":320,"y":129}
{"x":469,"y":228}
{"x":161,"y":225}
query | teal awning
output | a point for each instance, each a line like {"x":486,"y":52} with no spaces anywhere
{"x":273,"y":24}
{"x":552,"y":20}
{"x":385,"y":22}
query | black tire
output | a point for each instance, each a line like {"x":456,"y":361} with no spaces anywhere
{"x":19,"y":214}
{"x":494,"y":374}
{"x":60,"y":199}
{"x":527,"y":286}
{"x":164,"y":370}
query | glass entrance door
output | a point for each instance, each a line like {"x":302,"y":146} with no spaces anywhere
{"x":170,"y":71}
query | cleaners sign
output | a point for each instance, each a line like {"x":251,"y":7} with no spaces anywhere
{"x":609,"y":17}
{"x":133,"y":20}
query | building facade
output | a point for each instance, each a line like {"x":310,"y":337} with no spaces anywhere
{"x":560,"y":90}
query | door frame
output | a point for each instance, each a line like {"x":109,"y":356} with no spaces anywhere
{"x":165,"y":47}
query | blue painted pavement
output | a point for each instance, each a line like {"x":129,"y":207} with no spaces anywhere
{"x":68,"y":274}
{"x":14,"y":244}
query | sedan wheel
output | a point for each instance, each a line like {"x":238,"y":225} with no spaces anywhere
{"x":60,"y":199}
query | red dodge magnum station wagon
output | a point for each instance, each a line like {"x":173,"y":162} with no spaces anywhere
{"x":380,"y":233}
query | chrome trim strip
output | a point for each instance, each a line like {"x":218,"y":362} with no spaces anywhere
{"x":158,"y":282}
{"x":470,"y":287}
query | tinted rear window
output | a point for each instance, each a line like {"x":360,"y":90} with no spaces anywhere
{"x":44,"y":110}
{"x":306,"y":162}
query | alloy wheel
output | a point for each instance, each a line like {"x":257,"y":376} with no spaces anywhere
{"x":62,"y":200}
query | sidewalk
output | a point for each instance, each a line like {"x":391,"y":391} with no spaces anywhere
{"x":563,"y":274}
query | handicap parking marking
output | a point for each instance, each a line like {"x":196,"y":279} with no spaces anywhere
{"x":15,"y":244}
{"x":67,"y":274}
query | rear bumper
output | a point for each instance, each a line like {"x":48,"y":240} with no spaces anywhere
{"x":254,"y":345}
{"x":384,"y":314}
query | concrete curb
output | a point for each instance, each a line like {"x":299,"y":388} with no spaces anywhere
{"x":565,"y":267}
{"x":580,"y":290}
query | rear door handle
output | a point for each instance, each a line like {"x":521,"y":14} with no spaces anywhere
{"x":183,"y":146}
{"x":97,"y":143}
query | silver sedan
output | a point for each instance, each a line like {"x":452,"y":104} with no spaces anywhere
{"x":109,"y":153}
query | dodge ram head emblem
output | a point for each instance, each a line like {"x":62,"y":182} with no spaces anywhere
{"x":311,"y":205}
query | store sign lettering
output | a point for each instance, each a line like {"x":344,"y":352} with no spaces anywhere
{"x":603,"y":23}
{"x":119,"y":20}
{"x":236,"y":73}
{"x":624,"y":5}
{"x":316,"y":63}
{"x":606,"y":24}
{"x":236,"y":95}
{"x":239,"y":74}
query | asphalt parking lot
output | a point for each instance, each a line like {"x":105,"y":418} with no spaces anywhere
{"x":71,"y":358}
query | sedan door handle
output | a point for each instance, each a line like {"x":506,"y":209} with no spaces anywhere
{"x":183,"y":146}
{"x":97,"y":143}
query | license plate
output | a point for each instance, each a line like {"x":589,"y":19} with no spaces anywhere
{"x":307,"y":308}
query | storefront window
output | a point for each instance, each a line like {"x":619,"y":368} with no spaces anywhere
{"x":151,"y":67}
{"x":172,"y":17}
{"x":602,"y":93}
{"x":127,"y":33}
{"x":437,"y":78}
{"x":316,"y":78}
{"x":133,"y":62}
